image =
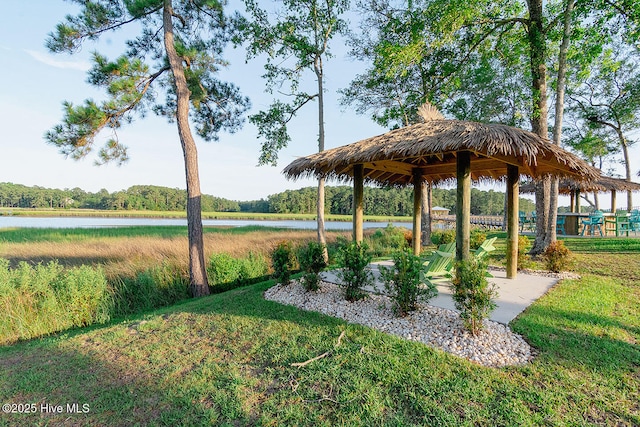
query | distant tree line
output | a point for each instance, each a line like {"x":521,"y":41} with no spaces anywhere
{"x":137,"y":197}
{"x":377,"y":201}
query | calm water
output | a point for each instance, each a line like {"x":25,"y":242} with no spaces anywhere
{"x":96,"y":222}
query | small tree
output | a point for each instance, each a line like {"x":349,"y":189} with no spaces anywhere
{"x":296,"y":42}
{"x":403,"y":283}
{"x":354,"y":259}
{"x":311,"y":258}
{"x":472,"y":294}
{"x":283,"y":260}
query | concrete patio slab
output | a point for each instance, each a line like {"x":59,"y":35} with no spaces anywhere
{"x":514,"y":295}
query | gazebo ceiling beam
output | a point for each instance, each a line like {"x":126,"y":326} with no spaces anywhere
{"x":390,"y":166}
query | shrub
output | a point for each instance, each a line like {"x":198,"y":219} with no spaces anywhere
{"x":355,"y":274}
{"x":403,"y":283}
{"x":311,"y":258}
{"x":441,"y":237}
{"x":282,"y":261}
{"x":226,"y":272}
{"x":472,"y":294}
{"x":223,"y":269}
{"x":524,"y":260}
{"x":387,"y":240}
{"x":557,"y":257}
{"x":47,"y":298}
{"x":476,"y":238}
{"x":253,"y":268}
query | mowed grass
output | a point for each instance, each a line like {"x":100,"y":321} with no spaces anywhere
{"x":226,"y":360}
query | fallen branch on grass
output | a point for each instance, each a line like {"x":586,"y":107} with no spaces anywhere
{"x":325,"y":354}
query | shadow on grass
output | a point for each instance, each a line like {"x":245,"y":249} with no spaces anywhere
{"x":79,"y":387}
{"x":602,"y":343}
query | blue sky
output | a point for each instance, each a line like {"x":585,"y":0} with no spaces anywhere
{"x":36,"y":82}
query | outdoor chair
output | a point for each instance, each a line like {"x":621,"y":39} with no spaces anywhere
{"x":593,"y":223}
{"x":439,"y":264}
{"x":634,"y":220}
{"x":560,"y":225}
{"x":620,"y":223}
{"x":524,"y":220}
{"x":484,"y":249}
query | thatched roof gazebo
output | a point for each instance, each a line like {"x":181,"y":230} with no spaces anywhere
{"x":574,"y":187}
{"x":445,"y":150}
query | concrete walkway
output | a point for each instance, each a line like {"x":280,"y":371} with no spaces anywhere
{"x":513,"y":295}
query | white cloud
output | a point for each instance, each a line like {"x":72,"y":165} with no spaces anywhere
{"x":51,"y":61}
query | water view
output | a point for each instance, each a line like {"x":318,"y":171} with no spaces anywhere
{"x":96,"y":222}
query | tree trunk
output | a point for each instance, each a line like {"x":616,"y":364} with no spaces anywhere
{"x":543,"y":190}
{"x":538,"y":51}
{"x":199,"y":284}
{"x":427,"y":199}
{"x":627,"y":165}
{"x":322,"y":238}
{"x":557,"y":127}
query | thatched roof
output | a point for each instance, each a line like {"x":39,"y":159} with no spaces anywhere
{"x":432,"y":146}
{"x":600,"y":185}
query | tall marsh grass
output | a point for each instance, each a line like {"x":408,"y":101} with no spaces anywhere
{"x":38,"y":300}
{"x":56,"y":279}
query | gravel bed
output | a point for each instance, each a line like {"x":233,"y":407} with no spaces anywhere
{"x":440,"y":328}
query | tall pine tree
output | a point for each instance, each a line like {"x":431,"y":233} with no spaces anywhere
{"x":177,"y":53}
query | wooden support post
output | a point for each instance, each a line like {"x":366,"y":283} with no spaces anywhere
{"x":417,"y":210}
{"x":577,"y":201}
{"x":463,"y":205}
{"x":572,"y":202}
{"x":358,"y":204}
{"x":513,"y":192}
{"x":613,"y":201}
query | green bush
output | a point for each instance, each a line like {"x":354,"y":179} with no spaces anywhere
{"x":226,"y":272}
{"x":477,"y":237}
{"x":403,"y":283}
{"x":311,"y":258}
{"x":441,"y":237}
{"x":385,"y":241}
{"x":47,"y":298}
{"x":472,"y":294}
{"x":355,"y":274}
{"x":283,"y":261}
{"x":557,"y":257}
{"x":524,"y":259}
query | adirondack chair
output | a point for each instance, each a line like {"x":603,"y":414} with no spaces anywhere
{"x":486,"y":247}
{"x":634,"y":221}
{"x":439,"y":264}
{"x":619,"y":224}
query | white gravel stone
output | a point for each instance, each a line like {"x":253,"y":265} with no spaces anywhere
{"x":436,"y":327}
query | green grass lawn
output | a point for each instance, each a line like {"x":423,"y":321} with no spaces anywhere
{"x":226,"y":360}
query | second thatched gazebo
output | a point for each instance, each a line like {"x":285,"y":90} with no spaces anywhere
{"x":445,"y":150}
{"x":574,"y":187}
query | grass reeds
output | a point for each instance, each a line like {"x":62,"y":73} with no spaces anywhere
{"x":46,"y":274}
